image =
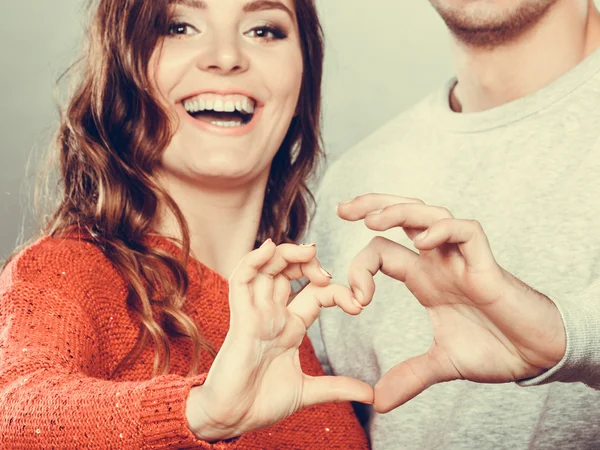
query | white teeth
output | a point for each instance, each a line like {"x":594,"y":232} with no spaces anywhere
{"x":227,"y":124}
{"x":214,"y":102}
{"x":249,"y":107}
{"x":229,"y":106}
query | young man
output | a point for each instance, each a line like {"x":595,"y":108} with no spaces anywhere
{"x":514,"y":142}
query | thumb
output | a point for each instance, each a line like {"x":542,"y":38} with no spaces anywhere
{"x":334,"y":389}
{"x":406,"y":380}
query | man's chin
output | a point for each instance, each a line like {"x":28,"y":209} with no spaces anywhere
{"x":488,"y":24}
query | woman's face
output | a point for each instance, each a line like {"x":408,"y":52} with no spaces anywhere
{"x":231,"y":72}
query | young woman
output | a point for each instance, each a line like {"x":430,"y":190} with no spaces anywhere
{"x":185,"y":148}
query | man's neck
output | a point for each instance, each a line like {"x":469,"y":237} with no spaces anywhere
{"x":488,"y":78}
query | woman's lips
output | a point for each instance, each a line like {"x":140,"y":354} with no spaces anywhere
{"x":218,"y":127}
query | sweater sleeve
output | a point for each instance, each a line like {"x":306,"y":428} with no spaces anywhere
{"x":581,"y":363}
{"x":50,"y":400}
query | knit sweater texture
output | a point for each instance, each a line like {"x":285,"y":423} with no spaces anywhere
{"x":64,"y":327}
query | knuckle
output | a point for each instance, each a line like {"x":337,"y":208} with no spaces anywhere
{"x":476,"y":225}
{"x":374,"y":220}
{"x":443,"y":211}
{"x":395,"y":209}
{"x":341,"y":293}
{"x":367,"y":198}
{"x":283,"y":249}
{"x":270,"y":272}
{"x":361,"y":198}
{"x":446,"y":221}
{"x":354,"y":273}
{"x":377,"y":242}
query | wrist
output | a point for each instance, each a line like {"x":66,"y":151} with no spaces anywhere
{"x":201,"y":418}
{"x":544,"y":323}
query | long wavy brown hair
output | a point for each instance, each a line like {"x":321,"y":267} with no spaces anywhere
{"x":112,"y":134}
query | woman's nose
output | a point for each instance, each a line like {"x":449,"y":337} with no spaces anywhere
{"x":224,"y":55}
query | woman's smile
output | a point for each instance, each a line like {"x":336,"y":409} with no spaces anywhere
{"x":232,"y":72}
{"x":227,"y":113}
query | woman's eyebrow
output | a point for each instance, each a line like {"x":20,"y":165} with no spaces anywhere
{"x":199,"y":4}
{"x":252,"y":6}
{"x":261,"y":5}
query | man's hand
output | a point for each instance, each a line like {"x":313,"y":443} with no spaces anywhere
{"x":489,"y":327}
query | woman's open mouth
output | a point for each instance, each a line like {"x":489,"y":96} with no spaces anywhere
{"x":227,"y":111}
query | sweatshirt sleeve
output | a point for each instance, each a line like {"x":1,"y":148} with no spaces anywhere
{"x":581,"y":363}
{"x":50,"y":400}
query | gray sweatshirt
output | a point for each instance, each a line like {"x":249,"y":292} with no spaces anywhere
{"x":529,"y":171}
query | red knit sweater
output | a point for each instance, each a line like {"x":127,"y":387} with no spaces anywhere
{"x":64,"y":326}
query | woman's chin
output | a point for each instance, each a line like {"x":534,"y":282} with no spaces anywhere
{"x":216,"y":176}
{"x":214,"y":166}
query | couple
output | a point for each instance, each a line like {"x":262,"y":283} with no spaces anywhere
{"x":154,"y":311}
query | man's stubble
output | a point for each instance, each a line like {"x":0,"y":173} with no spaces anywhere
{"x":487,"y":24}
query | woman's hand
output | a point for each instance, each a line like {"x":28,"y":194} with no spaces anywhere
{"x":488,"y":326}
{"x":256,"y":379}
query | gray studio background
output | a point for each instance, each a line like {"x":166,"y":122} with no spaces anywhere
{"x":382,"y":56}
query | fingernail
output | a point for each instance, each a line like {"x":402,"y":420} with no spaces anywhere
{"x":308,"y":245}
{"x":421,"y":236}
{"x":358,"y":304}
{"x":324,"y":272}
{"x":360,"y":297}
{"x":374,"y":213}
{"x":266,"y":242}
{"x":345,"y":202}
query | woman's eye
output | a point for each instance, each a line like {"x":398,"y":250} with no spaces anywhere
{"x":267,"y":33}
{"x":182,"y":29}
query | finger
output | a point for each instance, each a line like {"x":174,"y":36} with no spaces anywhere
{"x":383,"y":255}
{"x":282,"y":290}
{"x":297,"y":261}
{"x":407,"y":380}
{"x":312,"y":270}
{"x":248,"y":267}
{"x":327,"y":389}
{"x":358,"y":208}
{"x":263,"y":290}
{"x":241,"y":291}
{"x":286,"y":254}
{"x":407,"y":215}
{"x":308,"y":303}
{"x":467,"y":234}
